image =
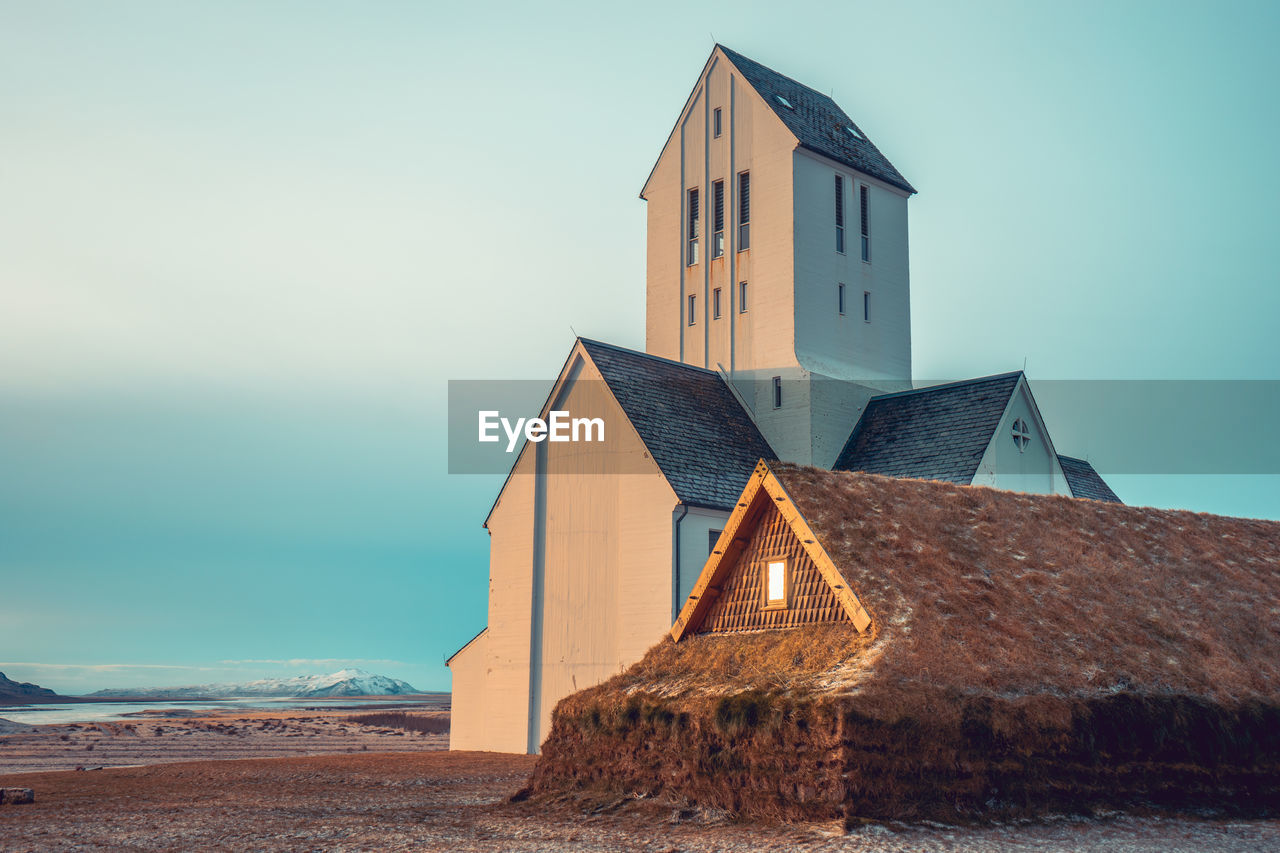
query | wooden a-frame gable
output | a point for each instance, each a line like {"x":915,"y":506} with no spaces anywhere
{"x":766,"y":521}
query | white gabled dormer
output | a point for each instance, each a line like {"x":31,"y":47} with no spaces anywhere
{"x":778,"y":252}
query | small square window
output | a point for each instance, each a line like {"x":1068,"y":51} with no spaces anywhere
{"x":776,"y":584}
{"x":716,"y":121}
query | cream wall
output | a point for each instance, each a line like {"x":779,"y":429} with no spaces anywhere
{"x":605,"y":592}
{"x":468,"y":723}
{"x":753,"y":140}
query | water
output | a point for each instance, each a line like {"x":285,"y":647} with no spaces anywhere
{"x":40,"y":715}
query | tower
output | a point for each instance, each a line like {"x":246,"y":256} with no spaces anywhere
{"x":778,"y":254}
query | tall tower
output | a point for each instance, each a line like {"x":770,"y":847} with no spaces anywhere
{"x":777,"y":253}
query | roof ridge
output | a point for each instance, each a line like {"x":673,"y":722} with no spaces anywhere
{"x":731,"y":53}
{"x":648,"y":355}
{"x":945,"y":385}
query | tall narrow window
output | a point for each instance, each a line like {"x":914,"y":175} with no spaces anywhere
{"x":840,"y":297}
{"x":694,"y":222}
{"x":840,"y":215}
{"x":716,"y":121}
{"x":775,"y":583}
{"x":693,"y":307}
{"x":777,"y":392}
{"x":866,"y":306}
{"x":744,"y":210}
{"x":742,"y":297}
{"x":866,"y":225}
{"x":713,"y":536}
{"x":715,"y":303}
{"x":717,"y":238}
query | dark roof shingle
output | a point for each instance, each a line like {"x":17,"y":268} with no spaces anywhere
{"x":1084,"y":481}
{"x":818,"y":122}
{"x":703,"y":440}
{"x":937,"y":433}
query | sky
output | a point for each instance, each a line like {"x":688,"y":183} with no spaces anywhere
{"x":245,"y":246}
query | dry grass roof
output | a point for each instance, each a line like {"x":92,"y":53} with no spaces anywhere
{"x":992,"y":591}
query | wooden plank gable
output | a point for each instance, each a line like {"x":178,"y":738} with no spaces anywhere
{"x":766,"y":523}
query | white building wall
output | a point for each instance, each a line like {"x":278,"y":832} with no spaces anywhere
{"x":1036,"y":469}
{"x":505,"y":701}
{"x":695,"y":528}
{"x":468,"y":722}
{"x":602,"y":587}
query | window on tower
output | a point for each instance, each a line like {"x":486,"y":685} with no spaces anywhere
{"x":717,"y":237}
{"x":777,"y":392}
{"x":742,"y":297}
{"x":866,"y":224}
{"x":744,"y":211}
{"x":866,"y":306}
{"x":693,"y":307}
{"x":716,"y":121}
{"x":840,"y":298}
{"x":715,"y":304}
{"x":840,"y":215}
{"x":694,"y":220}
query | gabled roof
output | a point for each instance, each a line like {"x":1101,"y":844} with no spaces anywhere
{"x":763,"y":493}
{"x":702,"y":439}
{"x":1084,"y":481}
{"x":817,"y":122}
{"x":981,"y":590}
{"x":935,"y":433}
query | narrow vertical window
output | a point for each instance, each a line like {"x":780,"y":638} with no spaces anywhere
{"x":742,"y":297}
{"x":694,"y":221}
{"x":866,"y":225}
{"x":840,"y":215}
{"x":775,"y":584}
{"x":777,"y":392}
{"x":744,"y":210}
{"x":713,"y":536}
{"x":840,"y":297}
{"x":717,"y":199}
{"x":693,"y":307}
{"x":716,"y":121}
{"x":866,"y":306}
{"x":715,"y":303}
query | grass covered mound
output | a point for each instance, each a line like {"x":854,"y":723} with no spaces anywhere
{"x":1027,"y":654}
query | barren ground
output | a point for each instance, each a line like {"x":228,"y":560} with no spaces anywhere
{"x":456,"y":801}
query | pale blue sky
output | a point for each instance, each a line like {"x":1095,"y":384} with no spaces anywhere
{"x":243,"y":246}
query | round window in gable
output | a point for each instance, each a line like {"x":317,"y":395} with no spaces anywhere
{"x":1021,"y":434}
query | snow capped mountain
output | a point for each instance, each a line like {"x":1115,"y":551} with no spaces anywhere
{"x":344,"y":682}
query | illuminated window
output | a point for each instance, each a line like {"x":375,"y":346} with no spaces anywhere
{"x":775,"y":583}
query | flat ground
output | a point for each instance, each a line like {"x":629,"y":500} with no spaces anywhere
{"x":456,"y":801}
{"x":150,"y":738}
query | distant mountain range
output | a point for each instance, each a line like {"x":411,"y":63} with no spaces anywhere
{"x":25,"y":693}
{"x":345,"y":682}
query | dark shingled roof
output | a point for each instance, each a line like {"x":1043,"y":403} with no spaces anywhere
{"x":818,"y":122}
{"x":936,"y":433}
{"x":704,"y":441}
{"x":1086,"y":482}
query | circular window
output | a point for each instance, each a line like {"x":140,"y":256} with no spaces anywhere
{"x":1021,"y":434}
